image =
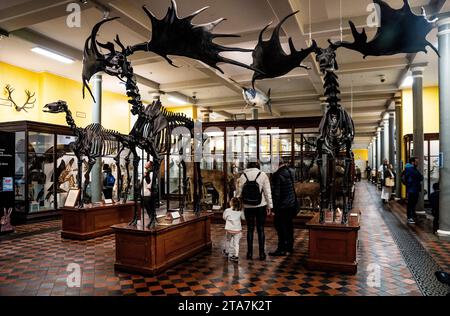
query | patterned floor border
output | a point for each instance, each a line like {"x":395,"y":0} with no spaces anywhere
{"x":419,"y":261}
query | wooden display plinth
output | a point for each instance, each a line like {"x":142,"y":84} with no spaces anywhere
{"x":91,"y":222}
{"x":332,"y":247}
{"x":150,"y":251}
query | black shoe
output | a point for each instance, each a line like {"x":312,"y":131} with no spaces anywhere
{"x":277,"y":253}
{"x":262,"y":257}
{"x":249,"y":256}
{"x":234,"y":258}
{"x":225,"y":253}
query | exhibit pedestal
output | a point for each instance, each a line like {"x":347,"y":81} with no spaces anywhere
{"x":91,"y":222}
{"x":150,"y":251}
{"x":332,"y":247}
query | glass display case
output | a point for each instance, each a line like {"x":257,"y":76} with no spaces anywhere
{"x":230,"y":145}
{"x":431,"y":159}
{"x":46,"y":168}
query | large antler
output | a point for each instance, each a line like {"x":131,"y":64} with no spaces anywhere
{"x":271,"y":60}
{"x":93,"y":60}
{"x":29,"y":102}
{"x":178,"y":36}
{"x":400,"y":31}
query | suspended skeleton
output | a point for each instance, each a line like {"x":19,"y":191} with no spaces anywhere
{"x":170,"y":36}
{"x":400,"y":31}
{"x":92,"y":142}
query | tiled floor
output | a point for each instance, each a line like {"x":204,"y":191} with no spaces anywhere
{"x":35,"y":264}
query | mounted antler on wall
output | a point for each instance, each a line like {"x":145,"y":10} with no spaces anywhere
{"x":29,"y":103}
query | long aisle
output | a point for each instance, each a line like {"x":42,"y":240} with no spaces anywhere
{"x":34,"y":262}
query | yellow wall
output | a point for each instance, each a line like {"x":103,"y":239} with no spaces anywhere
{"x":48,"y":88}
{"x":190,"y":111}
{"x":361,"y":154}
{"x":430,"y":110}
{"x":430,"y":116}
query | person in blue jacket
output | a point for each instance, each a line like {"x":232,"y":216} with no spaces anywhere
{"x":412,"y":178}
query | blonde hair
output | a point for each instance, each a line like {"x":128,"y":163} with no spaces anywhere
{"x":236,"y":204}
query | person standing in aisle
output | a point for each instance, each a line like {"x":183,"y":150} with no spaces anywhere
{"x":285,"y":207}
{"x":147,"y":188}
{"x":381,"y":170}
{"x":108,"y":182}
{"x":388,"y":184}
{"x":254,"y":190}
{"x":233,"y":228}
{"x":412,"y":178}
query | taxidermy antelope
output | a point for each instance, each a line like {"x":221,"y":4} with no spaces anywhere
{"x":27,"y":105}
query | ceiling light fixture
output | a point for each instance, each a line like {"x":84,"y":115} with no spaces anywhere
{"x":50,"y":54}
{"x":176,"y":100}
{"x":408,"y":82}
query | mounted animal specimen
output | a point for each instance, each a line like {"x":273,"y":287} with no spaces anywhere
{"x":27,"y":105}
{"x":400,"y":31}
{"x":92,"y":142}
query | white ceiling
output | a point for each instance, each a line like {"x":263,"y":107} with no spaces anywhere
{"x":296,"y":94}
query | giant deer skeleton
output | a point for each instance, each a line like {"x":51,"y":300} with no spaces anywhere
{"x":92,"y":142}
{"x":399,"y":31}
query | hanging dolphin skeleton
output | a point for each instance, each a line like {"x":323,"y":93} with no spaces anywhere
{"x":254,"y":98}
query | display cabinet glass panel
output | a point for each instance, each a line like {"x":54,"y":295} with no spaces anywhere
{"x":430,"y":161}
{"x":213,"y":168}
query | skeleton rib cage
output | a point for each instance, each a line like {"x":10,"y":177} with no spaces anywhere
{"x":99,"y":141}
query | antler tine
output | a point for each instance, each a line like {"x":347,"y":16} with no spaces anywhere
{"x":118,"y":42}
{"x":194,"y":14}
{"x":211,"y":25}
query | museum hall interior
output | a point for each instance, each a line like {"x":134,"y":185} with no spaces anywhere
{"x":231,"y":148}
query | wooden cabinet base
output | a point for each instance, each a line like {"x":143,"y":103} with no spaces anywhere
{"x":151,"y":251}
{"x":332,"y":247}
{"x":91,"y":222}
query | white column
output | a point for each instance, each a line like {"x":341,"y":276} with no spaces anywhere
{"x":386,"y":145}
{"x":418,"y":138}
{"x":96,"y":173}
{"x":444,"y":125}
{"x":378,"y":160}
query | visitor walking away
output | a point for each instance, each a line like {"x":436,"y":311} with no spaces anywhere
{"x":388,"y":184}
{"x":381,"y":171}
{"x":434,"y":201}
{"x":254,"y":190}
{"x":368,"y":171}
{"x":108,"y":182}
{"x":285,"y":207}
{"x":233,"y":228}
{"x":358,"y":174}
{"x":412,"y":178}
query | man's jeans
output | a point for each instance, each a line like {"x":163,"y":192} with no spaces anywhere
{"x":412,"y":202}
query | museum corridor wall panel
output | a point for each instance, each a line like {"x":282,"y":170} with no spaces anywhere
{"x":49,"y":88}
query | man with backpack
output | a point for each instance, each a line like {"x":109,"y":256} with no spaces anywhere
{"x":254,"y":190}
{"x":108,"y":182}
{"x":412,"y":178}
{"x":285,"y":207}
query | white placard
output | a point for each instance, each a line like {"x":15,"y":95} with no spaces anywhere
{"x":109,"y":201}
{"x":174,"y":215}
{"x":72,"y":198}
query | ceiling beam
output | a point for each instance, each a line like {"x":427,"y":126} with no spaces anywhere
{"x":30,"y":12}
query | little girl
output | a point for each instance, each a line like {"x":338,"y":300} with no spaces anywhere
{"x":233,"y":228}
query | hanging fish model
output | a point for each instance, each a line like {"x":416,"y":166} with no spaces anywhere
{"x":257,"y":99}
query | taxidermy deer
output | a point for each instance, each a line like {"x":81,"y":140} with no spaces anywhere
{"x":29,"y":103}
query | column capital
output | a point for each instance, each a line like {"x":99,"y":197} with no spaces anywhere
{"x":418,"y":69}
